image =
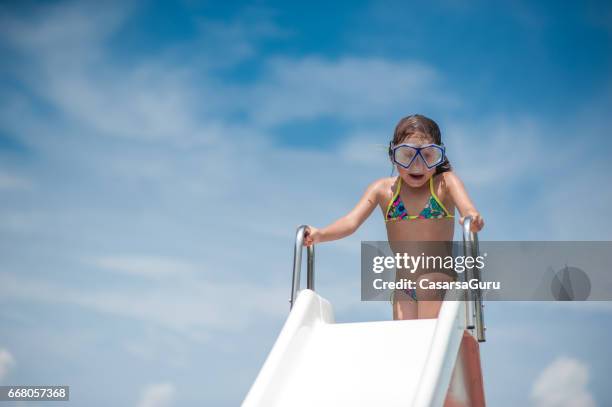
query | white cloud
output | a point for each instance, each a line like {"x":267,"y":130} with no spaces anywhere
{"x":563,"y":383}
{"x":158,"y":395}
{"x":366,"y":148}
{"x":234,"y":41}
{"x":190,"y":307}
{"x":48,"y":26}
{"x":7,"y":361}
{"x":495,"y":150}
{"x":354,"y":88}
{"x":511,"y":164}
{"x":70,"y":67}
{"x":145,"y":266}
{"x":14,"y":182}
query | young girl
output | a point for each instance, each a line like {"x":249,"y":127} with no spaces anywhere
{"x":418,"y":205}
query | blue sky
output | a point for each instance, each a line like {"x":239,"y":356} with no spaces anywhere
{"x":156,"y":157}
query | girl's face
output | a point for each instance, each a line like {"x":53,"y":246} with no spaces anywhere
{"x":418,"y":173}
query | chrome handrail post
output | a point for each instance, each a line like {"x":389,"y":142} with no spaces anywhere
{"x":474,"y":303}
{"x":297,"y":265}
{"x":468,"y":273}
{"x":479,"y":303}
{"x":310,"y":267}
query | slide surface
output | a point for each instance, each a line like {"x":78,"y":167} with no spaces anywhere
{"x":317,"y":362}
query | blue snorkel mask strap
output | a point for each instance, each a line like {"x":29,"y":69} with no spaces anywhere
{"x":390,"y":153}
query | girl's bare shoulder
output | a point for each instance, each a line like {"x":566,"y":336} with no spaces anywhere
{"x":383,"y":184}
{"x":383,"y":187}
{"x":449,"y":179}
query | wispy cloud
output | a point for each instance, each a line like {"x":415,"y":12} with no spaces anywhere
{"x":7,"y":361}
{"x":13,"y":181}
{"x":563,"y":383}
{"x":495,"y":150}
{"x":192,"y":308}
{"x":351,"y":88}
{"x":144,"y":266}
{"x":158,"y":395}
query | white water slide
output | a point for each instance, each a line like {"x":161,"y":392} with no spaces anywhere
{"x":408,"y":363}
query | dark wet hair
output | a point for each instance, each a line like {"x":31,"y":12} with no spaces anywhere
{"x":419,"y":124}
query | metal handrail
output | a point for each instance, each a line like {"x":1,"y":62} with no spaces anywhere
{"x":474,"y":305}
{"x":297,"y":265}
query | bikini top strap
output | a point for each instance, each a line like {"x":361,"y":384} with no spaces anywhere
{"x":394,"y":197}
{"x":433,"y":194}
{"x":431,"y":188}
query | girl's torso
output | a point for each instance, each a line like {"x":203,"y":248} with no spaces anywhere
{"x":423,"y":214}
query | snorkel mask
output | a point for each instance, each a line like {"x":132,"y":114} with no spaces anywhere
{"x":405,"y":155}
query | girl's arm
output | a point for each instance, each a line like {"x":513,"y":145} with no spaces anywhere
{"x":349,"y":223}
{"x":462,"y":201}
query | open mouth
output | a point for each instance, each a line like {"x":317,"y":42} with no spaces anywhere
{"x":416,"y":177}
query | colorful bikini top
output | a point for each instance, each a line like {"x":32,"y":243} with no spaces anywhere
{"x":433,"y":210}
